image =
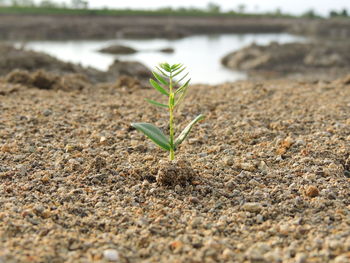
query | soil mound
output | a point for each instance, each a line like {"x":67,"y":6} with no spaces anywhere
{"x":178,"y":172}
{"x":129,"y":68}
{"x":290,"y":58}
{"x":118,"y":49}
{"x":47,"y":80}
{"x":31,"y":61}
{"x":128,"y":83}
{"x":15,"y":58}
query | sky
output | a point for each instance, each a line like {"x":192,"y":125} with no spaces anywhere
{"x":289,"y":6}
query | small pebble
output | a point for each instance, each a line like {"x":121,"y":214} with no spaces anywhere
{"x":194,"y":200}
{"x":111,"y":255}
{"x":178,"y":189}
{"x":252,"y":207}
{"x":259,"y":218}
{"x":300,"y":258}
{"x":228,"y":161}
{"x":227,"y":254}
{"x":312,"y":191}
{"x":247,"y":167}
{"x":47,"y":112}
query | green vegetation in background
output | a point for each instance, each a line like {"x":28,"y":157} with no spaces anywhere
{"x":342,"y":13}
{"x":310,"y":14}
{"x":127,"y":12}
{"x":80,"y":7}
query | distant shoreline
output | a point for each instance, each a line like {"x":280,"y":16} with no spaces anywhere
{"x":74,"y":27}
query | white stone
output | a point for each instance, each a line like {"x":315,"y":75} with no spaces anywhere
{"x":111,"y":255}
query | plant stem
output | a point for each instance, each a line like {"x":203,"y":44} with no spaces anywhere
{"x":171,"y":118}
{"x":171,"y":124}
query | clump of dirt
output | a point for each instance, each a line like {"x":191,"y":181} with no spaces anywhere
{"x":291,"y":58}
{"x":177,"y":172}
{"x":128,"y":83}
{"x":129,"y":68}
{"x":18,"y":77}
{"x":20,"y":59}
{"x":46,"y":80}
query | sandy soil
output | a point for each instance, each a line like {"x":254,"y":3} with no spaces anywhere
{"x":269,"y":175}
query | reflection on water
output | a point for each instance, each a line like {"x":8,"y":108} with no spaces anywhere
{"x":201,"y":54}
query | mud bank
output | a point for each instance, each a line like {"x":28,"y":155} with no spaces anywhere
{"x":335,"y":28}
{"x":18,"y":60}
{"x":318,"y":59}
{"x":59,"y":27}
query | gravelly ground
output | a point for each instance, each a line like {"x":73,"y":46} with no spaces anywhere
{"x":271,"y":164}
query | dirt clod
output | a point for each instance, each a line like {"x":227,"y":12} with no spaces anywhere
{"x":46,"y":80}
{"x":172,"y":173}
{"x":128,"y":83}
{"x":312,"y":191}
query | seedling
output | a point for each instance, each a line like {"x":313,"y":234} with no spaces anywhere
{"x":166,"y":84}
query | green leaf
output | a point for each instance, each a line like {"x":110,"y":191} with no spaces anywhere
{"x":187,"y":130}
{"x":183,"y":94}
{"x":177,"y":73}
{"x":159,"y":78}
{"x":183,"y":87}
{"x":178,"y":81}
{"x":157,"y":103}
{"x":162,"y":72}
{"x":158,"y":87}
{"x":166,"y":67}
{"x":154,"y":133}
{"x":176,"y":67}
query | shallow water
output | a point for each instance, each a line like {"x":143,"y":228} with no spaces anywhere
{"x":201,"y":54}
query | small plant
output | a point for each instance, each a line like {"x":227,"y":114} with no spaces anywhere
{"x":167,"y":85}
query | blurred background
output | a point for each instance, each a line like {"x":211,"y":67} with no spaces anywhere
{"x":219,"y":41}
